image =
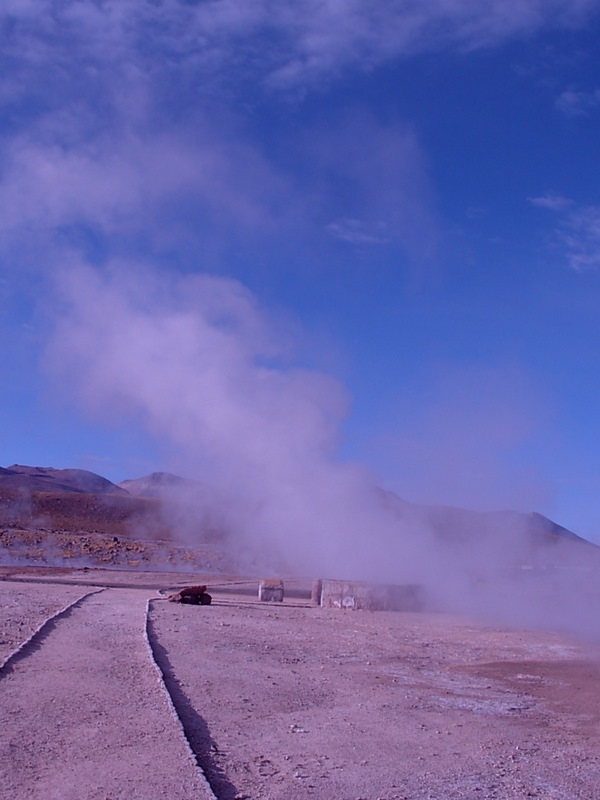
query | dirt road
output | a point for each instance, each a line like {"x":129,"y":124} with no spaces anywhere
{"x":83,"y":714}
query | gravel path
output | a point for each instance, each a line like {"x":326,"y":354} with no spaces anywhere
{"x":83,"y":713}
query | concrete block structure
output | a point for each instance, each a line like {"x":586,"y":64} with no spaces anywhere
{"x":270,"y":590}
{"x":372,"y":597}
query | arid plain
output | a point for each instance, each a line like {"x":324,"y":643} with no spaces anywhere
{"x":281,"y":700}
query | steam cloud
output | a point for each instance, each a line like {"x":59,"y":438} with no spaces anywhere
{"x":211,"y":378}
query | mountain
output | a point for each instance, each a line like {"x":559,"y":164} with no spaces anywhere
{"x":76,"y":500}
{"x":47,"y":479}
{"x":153,"y":485}
{"x":463,"y":527}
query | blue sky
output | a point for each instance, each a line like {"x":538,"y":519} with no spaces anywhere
{"x":374,"y":224}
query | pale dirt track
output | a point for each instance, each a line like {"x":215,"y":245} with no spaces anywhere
{"x":83,"y":714}
{"x":290,"y":702}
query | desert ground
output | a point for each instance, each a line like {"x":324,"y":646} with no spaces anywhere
{"x":279,"y":700}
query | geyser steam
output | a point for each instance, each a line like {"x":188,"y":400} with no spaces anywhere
{"x":212,"y":378}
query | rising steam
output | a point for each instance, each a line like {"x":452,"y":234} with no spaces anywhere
{"x":213,"y":379}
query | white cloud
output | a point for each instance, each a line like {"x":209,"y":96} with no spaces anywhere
{"x":209,"y":184}
{"x":96,"y":134}
{"x":577,"y":232}
{"x":578,"y":103}
{"x":580,"y":234}
{"x":286,"y":44}
{"x":553,"y":202}
{"x":355,"y":231}
{"x":59,"y":174}
{"x":198,"y":356}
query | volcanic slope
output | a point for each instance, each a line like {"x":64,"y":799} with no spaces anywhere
{"x":74,"y":517}
{"x":44,"y":509}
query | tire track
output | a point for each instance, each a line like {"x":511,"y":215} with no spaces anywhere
{"x":195,"y":758}
{"x":42,"y":630}
{"x":84,"y":713}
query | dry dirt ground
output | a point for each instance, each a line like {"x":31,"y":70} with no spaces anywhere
{"x":284,"y":700}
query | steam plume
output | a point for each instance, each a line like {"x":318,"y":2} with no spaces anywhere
{"x":213,"y":379}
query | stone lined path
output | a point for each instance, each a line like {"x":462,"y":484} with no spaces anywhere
{"x":83,"y":713}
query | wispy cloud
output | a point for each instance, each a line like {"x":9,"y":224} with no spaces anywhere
{"x":285,"y":44}
{"x":355,"y":231}
{"x":575,"y":103}
{"x":126,"y":115}
{"x":577,"y":231}
{"x":209,"y":181}
{"x":553,"y":202}
{"x":132,"y":181}
{"x":581,"y":235}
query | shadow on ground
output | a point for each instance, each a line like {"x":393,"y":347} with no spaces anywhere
{"x":194,"y":726}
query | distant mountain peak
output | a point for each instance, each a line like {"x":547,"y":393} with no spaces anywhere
{"x":153,"y":484}
{"x":48,"y":479}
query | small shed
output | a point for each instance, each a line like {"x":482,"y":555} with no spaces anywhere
{"x":270,"y":590}
{"x":372,"y":597}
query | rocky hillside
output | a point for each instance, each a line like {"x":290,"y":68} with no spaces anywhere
{"x":47,"y":479}
{"x":42,"y":500}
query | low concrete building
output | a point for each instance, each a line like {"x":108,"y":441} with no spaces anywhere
{"x":373,"y":597}
{"x":270,"y":590}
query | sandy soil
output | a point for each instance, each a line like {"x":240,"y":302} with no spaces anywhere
{"x":83,"y":714}
{"x":23,"y":610}
{"x":309,"y":702}
{"x":290,"y":701}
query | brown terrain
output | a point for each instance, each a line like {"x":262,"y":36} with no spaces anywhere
{"x":108,"y":690}
{"x":72,"y":517}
